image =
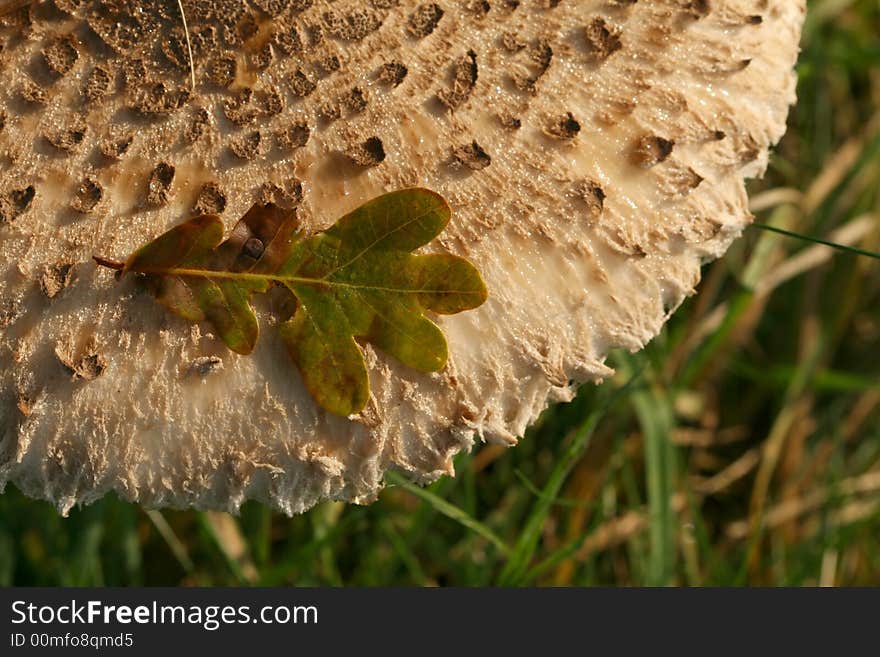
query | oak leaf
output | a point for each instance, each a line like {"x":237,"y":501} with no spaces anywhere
{"x":357,"y":279}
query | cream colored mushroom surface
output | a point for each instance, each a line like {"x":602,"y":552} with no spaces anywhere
{"x":593,"y":151}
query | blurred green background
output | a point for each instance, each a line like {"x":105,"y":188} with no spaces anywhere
{"x":742,"y":447}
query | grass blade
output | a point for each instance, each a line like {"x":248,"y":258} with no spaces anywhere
{"x":654,"y":412}
{"x":517,"y":565}
{"x":177,"y":547}
{"x":449,"y":510}
{"x":818,"y":240}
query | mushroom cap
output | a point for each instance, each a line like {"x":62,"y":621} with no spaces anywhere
{"x":594,"y":154}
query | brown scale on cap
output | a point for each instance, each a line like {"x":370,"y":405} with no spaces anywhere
{"x":288,"y":196}
{"x":196,"y":126}
{"x":392,"y":73}
{"x":328,"y":111}
{"x":263,"y":58}
{"x":287,"y":40}
{"x":271,"y":102}
{"x":55,"y":278}
{"x":15,"y":203}
{"x":353,"y":25}
{"x":60,"y":54}
{"x":592,"y":194}
{"x":328,"y":64}
{"x":293,"y":136}
{"x":88,"y":195}
{"x":464,"y":79}
{"x":159,"y":186}
{"x":159,"y":98}
{"x":478,"y":7}
{"x":369,"y":153}
{"x":134,"y":71}
{"x":33,"y":93}
{"x":222,"y":69}
{"x":424,"y":20}
{"x":175,"y":49}
{"x":243,"y":108}
{"x":85,"y":366}
{"x":69,"y":137}
{"x":593,"y":152}
{"x":115,"y":145}
{"x":563,"y":127}
{"x":651,"y":150}
{"x":529,"y":63}
{"x":247,"y":146}
{"x":274,"y":8}
{"x":211,"y":200}
{"x":602,"y":40}
{"x":97,"y":84}
{"x":471,"y":156}
{"x":354,"y":101}
{"x":301,"y":84}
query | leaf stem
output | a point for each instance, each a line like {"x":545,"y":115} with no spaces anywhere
{"x":110,"y":264}
{"x":274,"y":278}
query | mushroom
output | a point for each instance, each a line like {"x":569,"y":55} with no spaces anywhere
{"x":593,"y":151}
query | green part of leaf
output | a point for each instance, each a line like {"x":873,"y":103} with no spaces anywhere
{"x":321,"y":343}
{"x":358,"y":279}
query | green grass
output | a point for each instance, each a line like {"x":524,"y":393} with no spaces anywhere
{"x":741,"y":447}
